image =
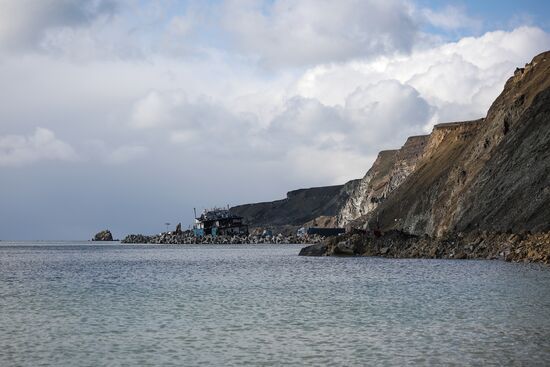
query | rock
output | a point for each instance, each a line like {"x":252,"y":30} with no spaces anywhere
{"x":344,"y":248}
{"x":388,"y":171}
{"x":103,"y":236}
{"x":318,"y":249}
{"x":178,"y":229}
{"x":137,"y":238}
{"x":188,"y":237}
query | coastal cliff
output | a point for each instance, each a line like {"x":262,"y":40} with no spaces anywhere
{"x":388,"y":172}
{"x":487,"y":178}
{"x":300,"y":206}
{"x":472,"y":189}
{"x":491,"y":174}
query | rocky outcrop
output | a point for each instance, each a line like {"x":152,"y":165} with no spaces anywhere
{"x":524,"y":247}
{"x":103,"y":236}
{"x":299,"y":207}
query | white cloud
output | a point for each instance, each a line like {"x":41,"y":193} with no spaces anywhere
{"x":349,"y":109}
{"x":23,"y":23}
{"x":458,"y":79}
{"x":374,"y":117}
{"x":288,"y":32}
{"x":386,"y":113}
{"x":157,"y":109}
{"x":18,"y":150}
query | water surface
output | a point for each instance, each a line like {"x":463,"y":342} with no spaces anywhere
{"x":120,"y":305}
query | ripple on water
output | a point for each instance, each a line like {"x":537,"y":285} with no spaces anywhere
{"x":263,"y":305}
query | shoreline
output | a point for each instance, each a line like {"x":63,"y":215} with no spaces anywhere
{"x":512,"y":247}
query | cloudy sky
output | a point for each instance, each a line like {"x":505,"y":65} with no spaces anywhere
{"x":125,"y":114}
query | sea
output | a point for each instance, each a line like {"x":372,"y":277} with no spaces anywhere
{"x":89,"y":304}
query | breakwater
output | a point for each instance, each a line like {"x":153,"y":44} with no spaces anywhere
{"x":187,"y":238}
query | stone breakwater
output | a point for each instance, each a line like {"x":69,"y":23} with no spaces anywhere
{"x":188,"y":239}
{"x":522,"y":247}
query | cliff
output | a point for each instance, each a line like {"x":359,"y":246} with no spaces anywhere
{"x":300,"y":206}
{"x":471,"y":189}
{"x":487,"y":178}
{"x":389,"y":170}
{"x":491,"y":174}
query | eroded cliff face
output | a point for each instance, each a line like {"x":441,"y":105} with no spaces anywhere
{"x":364,"y":198}
{"x":299,"y":207}
{"x":405,"y":163}
{"x":390,"y":169}
{"x":489,"y":174}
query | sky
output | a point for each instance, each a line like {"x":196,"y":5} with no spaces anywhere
{"x":128,"y":114}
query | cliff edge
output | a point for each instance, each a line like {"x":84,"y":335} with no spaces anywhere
{"x":485,"y":179}
{"x":491,"y":174}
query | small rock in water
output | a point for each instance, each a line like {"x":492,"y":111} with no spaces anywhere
{"x":103,"y":236}
{"x":318,"y":249}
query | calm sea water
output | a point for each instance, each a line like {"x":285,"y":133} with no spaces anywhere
{"x":83,"y":305}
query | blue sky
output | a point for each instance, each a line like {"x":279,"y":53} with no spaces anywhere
{"x":503,"y":15}
{"x":127,"y":114}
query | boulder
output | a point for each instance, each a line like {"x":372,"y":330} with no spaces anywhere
{"x":318,"y":249}
{"x":344,"y":248}
{"x":103,"y":236}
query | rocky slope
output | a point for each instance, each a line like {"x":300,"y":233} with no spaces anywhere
{"x":389,"y":170}
{"x":491,"y":174}
{"x":368,"y":192}
{"x":488,"y":179}
{"x":299,"y":207}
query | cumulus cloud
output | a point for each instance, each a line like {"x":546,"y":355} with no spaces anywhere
{"x":287,"y":32}
{"x":18,"y":150}
{"x":349,"y":109}
{"x":367,"y":122}
{"x":458,"y":79}
{"x":374,"y":117}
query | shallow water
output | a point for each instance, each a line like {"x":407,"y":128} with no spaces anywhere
{"x":263,"y":305}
